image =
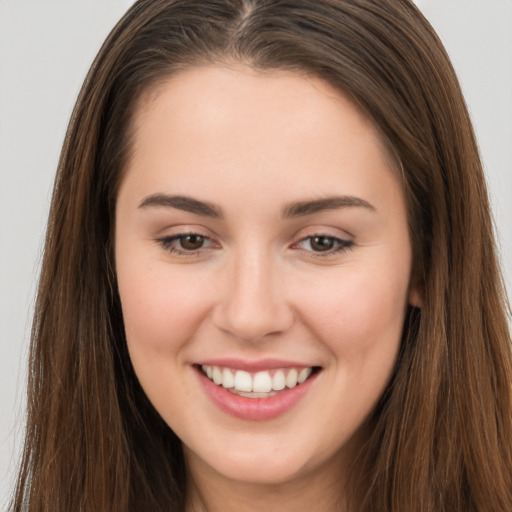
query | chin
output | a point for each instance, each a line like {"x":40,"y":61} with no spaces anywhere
{"x":271,"y":471}
{"x":260,"y":466}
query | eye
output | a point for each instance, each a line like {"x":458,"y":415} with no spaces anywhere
{"x":191,"y":242}
{"x":186,"y":244}
{"x":324,"y":244}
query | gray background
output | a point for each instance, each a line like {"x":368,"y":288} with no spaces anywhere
{"x":46,"y":47}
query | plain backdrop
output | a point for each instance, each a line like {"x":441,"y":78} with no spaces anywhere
{"x":46,"y":47}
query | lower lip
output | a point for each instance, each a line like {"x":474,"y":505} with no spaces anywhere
{"x":254,"y":409}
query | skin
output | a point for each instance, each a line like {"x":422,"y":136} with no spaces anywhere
{"x":251,"y":143}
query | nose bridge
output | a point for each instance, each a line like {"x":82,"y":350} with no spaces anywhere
{"x":253,"y":305}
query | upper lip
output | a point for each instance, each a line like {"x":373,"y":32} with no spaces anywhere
{"x":253,"y":365}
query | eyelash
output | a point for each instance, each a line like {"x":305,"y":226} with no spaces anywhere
{"x":339,"y":245}
{"x":170,"y":244}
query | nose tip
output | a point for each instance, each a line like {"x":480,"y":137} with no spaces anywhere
{"x":252,"y":324}
{"x":253,"y":307}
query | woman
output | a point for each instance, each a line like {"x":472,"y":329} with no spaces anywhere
{"x":270,"y":279}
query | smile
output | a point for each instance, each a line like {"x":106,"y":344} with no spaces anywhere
{"x":261,"y":384}
{"x":257,"y":395}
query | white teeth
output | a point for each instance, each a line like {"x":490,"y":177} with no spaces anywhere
{"x":278,"y":381}
{"x":303,"y":375}
{"x":228,"y":381}
{"x":262,"y":382}
{"x":291,"y":378}
{"x":259,"y":384}
{"x":217,"y":375}
{"x":243,"y":381}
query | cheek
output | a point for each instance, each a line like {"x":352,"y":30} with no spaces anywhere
{"x":161,"y":309}
{"x":359,"y":313}
{"x":162,"y":312}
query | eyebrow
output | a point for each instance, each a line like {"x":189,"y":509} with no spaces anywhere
{"x":303,"y":208}
{"x":185,"y":203}
{"x":292,"y":210}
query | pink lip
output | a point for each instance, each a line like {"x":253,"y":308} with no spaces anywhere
{"x":254,"y":409}
{"x":253,"y":366}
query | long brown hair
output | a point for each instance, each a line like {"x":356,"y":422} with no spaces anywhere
{"x":441,"y":436}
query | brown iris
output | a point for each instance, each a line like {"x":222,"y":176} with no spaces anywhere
{"x":322,"y":243}
{"x":191,"y":242}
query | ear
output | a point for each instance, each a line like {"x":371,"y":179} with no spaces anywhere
{"x":415,"y":296}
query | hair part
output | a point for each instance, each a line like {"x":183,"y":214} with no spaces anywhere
{"x":442,"y":433}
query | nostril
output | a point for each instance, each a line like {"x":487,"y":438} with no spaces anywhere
{"x":250,"y":324}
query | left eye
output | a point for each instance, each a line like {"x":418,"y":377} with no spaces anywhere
{"x":324,"y":244}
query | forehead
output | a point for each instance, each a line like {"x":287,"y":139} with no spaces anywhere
{"x":204,"y":93}
{"x":275,"y":129}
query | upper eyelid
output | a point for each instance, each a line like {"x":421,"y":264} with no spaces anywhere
{"x":342,"y":236}
{"x":210,"y":237}
{"x":183,"y":230}
{"x":324,"y":230}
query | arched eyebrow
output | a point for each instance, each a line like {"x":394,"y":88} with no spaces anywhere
{"x":303,"y":208}
{"x":292,"y":210}
{"x":185,"y":203}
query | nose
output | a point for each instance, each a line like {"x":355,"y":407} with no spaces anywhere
{"x":253,"y":305}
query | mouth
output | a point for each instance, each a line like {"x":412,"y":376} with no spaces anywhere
{"x":261,"y":384}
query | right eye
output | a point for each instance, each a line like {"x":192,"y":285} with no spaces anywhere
{"x":185,"y":244}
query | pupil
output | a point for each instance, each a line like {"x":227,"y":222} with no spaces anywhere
{"x":191,"y":242}
{"x":322,"y":243}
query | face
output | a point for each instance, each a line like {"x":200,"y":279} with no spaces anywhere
{"x":263,"y":261}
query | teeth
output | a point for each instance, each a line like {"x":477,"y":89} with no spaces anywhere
{"x":278,"y":381}
{"x":243,"y":381}
{"x":262,"y":382}
{"x":217,"y":375}
{"x":259,"y":384}
{"x":291,"y":378}
{"x":303,"y":375}
{"x":228,"y":381}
